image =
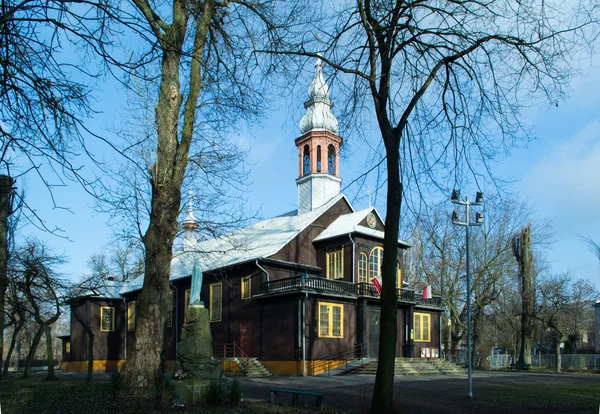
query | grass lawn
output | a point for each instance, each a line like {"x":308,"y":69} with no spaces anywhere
{"x":538,"y":396}
{"x":518,"y":394}
{"x":34,"y":395}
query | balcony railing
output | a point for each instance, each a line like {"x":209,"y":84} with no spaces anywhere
{"x":342,"y":287}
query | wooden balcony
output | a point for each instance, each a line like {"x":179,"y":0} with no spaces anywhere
{"x":319,"y":284}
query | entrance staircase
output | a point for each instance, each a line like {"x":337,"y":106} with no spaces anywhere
{"x":256,"y":369}
{"x":232,"y":353}
{"x":415,"y":366}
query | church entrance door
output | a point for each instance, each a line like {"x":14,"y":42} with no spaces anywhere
{"x":246,"y":338}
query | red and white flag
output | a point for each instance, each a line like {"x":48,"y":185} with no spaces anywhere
{"x":377,"y":283}
{"x":427,"y":292}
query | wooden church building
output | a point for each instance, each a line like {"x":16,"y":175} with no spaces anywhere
{"x":289,"y":290}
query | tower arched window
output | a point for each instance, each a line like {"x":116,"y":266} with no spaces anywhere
{"x":306,"y":160}
{"x":363,"y":263}
{"x":375,"y":261}
{"x":318,"y":158}
{"x":331,"y":159}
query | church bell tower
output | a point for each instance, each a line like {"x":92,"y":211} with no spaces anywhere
{"x":318,"y":148}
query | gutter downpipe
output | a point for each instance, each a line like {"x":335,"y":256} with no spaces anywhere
{"x":353,"y":257}
{"x":263,"y":269}
{"x":303,"y":327}
{"x":126,"y":330}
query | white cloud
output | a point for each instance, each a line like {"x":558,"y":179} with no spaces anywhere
{"x":565,"y":184}
{"x":567,"y":179}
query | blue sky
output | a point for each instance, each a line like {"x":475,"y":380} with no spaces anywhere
{"x":557,"y":174}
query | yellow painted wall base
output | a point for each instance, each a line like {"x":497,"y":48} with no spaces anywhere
{"x":102,"y":365}
{"x":285,"y":368}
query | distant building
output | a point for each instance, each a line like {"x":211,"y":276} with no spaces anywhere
{"x":287,"y":290}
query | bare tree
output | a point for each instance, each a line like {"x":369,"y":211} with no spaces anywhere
{"x":445,"y":82}
{"x":523,"y":252}
{"x":553,"y":303}
{"x":38,"y":280}
{"x":440,"y":260}
{"x":201,"y":54}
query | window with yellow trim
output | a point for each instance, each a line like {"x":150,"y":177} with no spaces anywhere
{"x":422,"y":327}
{"x":186,"y":298}
{"x":131,"y":316}
{"x":107,"y":319}
{"x":216,"y":307}
{"x":67,"y":346}
{"x":331,"y":320}
{"x":363,"y":264}
{"x":246,"y":292}
{"x":375,"y":261}
{"x":335,"y":264}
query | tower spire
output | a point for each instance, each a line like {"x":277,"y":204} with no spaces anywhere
{"x":318,"y":147}
{"x":318,"y":106}
{"x":190,"y":225}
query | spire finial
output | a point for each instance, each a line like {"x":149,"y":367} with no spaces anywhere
{"x":318,"y":107}
{"x":369,"y":193}
{"x":190,"y":218}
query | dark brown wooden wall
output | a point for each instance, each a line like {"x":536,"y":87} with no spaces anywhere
{"x":301,"y":249}
{"x":107,"y":345}
{"x":317,"y":347}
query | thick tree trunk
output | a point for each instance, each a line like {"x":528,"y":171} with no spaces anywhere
{"x":560,"y":337}
{"x":6,"y":184}
{"x":90,"y":355}
{"x":32,"y":349}
{"x":144,"y":368}
{"x":13,"y":342}
{"x":524,"y":254}
{"x":49,"y":354}
{"x":383,"y":392}
{"x":11,"y":347}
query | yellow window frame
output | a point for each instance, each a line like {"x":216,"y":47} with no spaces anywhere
{"x":67,"y":347}
{"x":335,"y":264}
{"x":422,"y":327}
{"x":131,"y":316}
{"x":375,"y":263}
{"x":111,"y":328}
{"x":327,"y":325}
{"x":216,"y":302}
{"x":363,"y":268}
{"x":245,"y":287}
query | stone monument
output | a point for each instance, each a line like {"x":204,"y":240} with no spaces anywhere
{"x":195,"y":351}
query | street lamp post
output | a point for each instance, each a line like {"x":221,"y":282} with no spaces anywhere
{"x":467,"y":224}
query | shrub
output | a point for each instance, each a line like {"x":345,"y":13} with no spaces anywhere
{"x":235,"y":392}
{"x":215,"y":392}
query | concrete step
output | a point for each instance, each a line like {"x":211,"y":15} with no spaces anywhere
{"x":415,"y":366}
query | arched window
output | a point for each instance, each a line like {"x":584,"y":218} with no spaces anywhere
{"x":375,"y":261}
{"x":363,"y":263}
{"x":306,"y":160}
{"x":318,"y":158}
{"x":331,"y":159}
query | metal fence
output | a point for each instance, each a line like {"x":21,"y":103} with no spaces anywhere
{"x":568,"y":362}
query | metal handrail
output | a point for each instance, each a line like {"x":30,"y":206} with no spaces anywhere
{"x":233,"y":351}
{"x":356,"y":352}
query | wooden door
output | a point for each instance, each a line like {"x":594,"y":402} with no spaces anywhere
{"x":246,"y":338}
{"x":373,"y":327}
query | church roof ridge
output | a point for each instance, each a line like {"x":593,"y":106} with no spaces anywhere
{"x":261,"y":239}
